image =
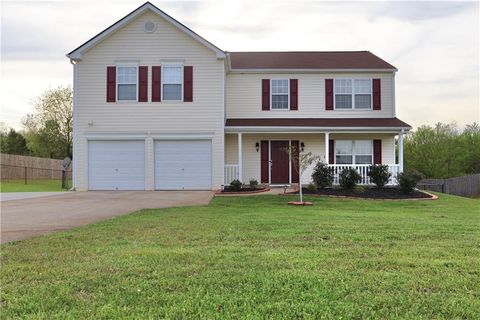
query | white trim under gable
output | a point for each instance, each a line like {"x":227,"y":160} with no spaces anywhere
{"x":76,"y":54}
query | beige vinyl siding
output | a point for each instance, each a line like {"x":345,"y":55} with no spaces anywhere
{"x":244,"y":96}
{"x":314,"y":143}
{"x":203,"y":116}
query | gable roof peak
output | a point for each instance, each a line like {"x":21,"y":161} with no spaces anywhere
{"x":77,"y":53}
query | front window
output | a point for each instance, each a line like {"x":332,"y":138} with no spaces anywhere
{"x":279,"y":94}
{"x":127,"y":83}
{"x":353,"y":94}
{"x":353,"y":151}
{"x":172,"y":78}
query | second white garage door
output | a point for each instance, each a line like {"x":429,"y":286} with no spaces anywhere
{"x":183,"y":165}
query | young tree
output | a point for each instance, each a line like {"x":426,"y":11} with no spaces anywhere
{"x":300,"y":162}
{"x":50,"y":128}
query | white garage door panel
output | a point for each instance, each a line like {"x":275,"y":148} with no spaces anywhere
{"x":183,"y":165}
{"x":116,"y":165}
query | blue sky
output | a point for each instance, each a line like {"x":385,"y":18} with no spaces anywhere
{"x":435,"y":45}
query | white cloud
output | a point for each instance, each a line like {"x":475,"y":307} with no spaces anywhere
{"x":435,"y":45}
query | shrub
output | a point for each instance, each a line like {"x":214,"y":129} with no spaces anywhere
{"x":379,"y":175}
{"x":312,"y":187}
{"x":407,"y":181}
{"x":236,"y":185}
{"x":322,"y":175}
{"x":253,"y":183}
{"x":349,"y":178}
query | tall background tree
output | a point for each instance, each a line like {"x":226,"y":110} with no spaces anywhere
{"x":49,"y":129}
{"x":12,"y":142}
{"x":443,"y":151}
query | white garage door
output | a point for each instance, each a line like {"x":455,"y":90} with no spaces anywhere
{"x":183,"y":165}
{"x":116,"y":165}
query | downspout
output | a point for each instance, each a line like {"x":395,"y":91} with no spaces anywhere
{"x":74,"y":135}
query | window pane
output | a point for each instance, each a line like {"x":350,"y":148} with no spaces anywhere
{"x":279,"y":101}
{"x":363,"y":86}
{"x":362,"y":101}
{"x":363,"y":159}
{"x":279,"y":86}
{"x":343,"y":159}
{"x":127,"y":92}
{"x":363,"y":147}
{"x":343,"y":147}
{"x":127,"y":75}
{"x":172,"y":92}
{"x":172,"y":75}
{"x":343,"y":86}
{"x":343,"y":101}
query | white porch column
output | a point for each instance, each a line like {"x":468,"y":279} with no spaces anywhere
{"x":327,"y":147}
{"x":240,"y":157}
{"x":400,"y":151}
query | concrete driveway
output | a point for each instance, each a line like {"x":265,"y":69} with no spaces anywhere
{"x":25,"y":218}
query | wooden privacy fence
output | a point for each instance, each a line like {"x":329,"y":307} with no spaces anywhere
{"x":466,"y":186}
{"x":15,"y":167}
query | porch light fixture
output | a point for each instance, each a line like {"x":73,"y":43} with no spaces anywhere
{"x":257,"y":146}
{"x":302,"y":146}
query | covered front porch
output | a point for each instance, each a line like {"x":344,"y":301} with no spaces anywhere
{"x":261,"y":156}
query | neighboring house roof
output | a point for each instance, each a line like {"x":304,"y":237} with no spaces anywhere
{"x":388,"y":123}
{"x":77,"y":53}
{"x":333,"y":60}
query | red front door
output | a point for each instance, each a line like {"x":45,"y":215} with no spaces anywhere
{"x":280,"y":165}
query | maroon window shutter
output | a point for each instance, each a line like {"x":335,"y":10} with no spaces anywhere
{"x":188,"y":84}
{"x":264,"y":163}
{"x":328,"y":94}
{"x":111,"y":83}
{"x":331,"y":151}
{"x":377,"y":102}
{"x":156,"y":83}
{"x":296,"y":156}
{"x":377,"y":151}
{"x":265,"y":94}
{"x":293,"y":94}
{"x":142,"y":84}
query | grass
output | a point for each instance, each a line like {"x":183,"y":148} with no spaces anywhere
{"x":256,"y":257}
{"x":31,"y":186}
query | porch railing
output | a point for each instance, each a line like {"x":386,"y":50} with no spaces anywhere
{"x":231,"y":173}
{"x":394,"y":169}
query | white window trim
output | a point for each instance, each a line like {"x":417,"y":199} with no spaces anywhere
{"x":353,"y":152}
{"x":352,"y":94}
{"x":127,"y":65}
{"x":288,"y":95}
{"x":171,"y":64}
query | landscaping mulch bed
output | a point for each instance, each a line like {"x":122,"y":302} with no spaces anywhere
{"x":369,"y":193}
{"x":228,"y":189}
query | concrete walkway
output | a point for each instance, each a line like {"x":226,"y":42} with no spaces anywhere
{"x":25,"y":218}
{"x":8,"y":196}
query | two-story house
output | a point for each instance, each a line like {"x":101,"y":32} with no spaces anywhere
{"x":157,"y":107}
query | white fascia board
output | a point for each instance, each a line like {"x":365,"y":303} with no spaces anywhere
{"x":314,"y":129}
{"x":311,"y":70}
{"x":77,"y":53}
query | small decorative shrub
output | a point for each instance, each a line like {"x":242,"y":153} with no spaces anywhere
{"x":407,"y":181}
{"x":349,"y":178}
{"x":236,"y":185}
{"x":312,"y":187}
{"x":379,"y":175}
{"x":322,"y":175}
{"x":253,"y":183}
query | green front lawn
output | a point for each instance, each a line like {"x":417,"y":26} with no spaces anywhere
{"x":256,"y":257}
{"x":31,"y":186}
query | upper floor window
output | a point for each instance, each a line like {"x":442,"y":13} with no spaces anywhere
{"x":172,"y":82}
{"x":353,"y":151}
{"x":280,"y":94}
{"x":353,"y":93}
{"x":127,"y":83}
